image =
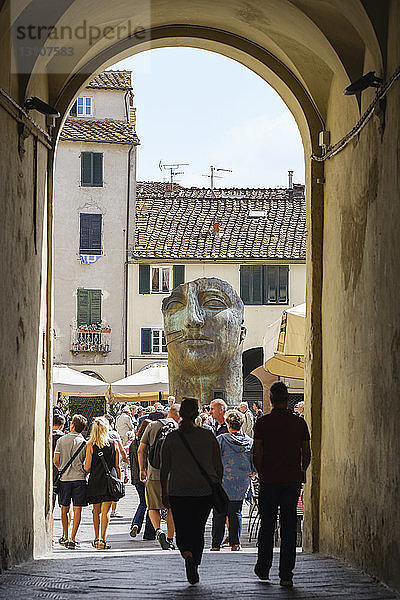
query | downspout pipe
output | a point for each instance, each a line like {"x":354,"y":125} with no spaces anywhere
{"x":128,"y":206}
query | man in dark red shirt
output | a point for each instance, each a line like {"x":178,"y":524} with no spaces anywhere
{"x":281,"y":455}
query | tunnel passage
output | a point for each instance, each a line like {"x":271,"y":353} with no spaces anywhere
{"x":309,"y":52}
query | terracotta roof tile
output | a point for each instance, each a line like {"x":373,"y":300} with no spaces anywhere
{"x":90,"y":130}
{"x":179,"y":223}
{"x":116,"y":80}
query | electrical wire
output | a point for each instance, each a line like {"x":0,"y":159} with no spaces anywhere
{"x":338,"y":147}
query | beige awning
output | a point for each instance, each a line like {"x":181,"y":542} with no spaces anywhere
{"x":284,"y":344}
{"x":74,"y":383}
{"x":146,"y":384}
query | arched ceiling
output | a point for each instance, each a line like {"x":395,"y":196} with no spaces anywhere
{"x":299,"y":46}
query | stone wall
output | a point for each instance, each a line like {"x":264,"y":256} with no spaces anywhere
{"x":24,"y":426}
{"x":360,"y":467}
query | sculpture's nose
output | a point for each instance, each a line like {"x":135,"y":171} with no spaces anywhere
{"x":195,"y":317}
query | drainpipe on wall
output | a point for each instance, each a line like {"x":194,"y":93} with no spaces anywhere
{"x":128,"y":205}
{"x":130,"y":118}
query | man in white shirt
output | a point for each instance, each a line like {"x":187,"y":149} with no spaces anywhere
{"x":248,"y":425}
{"x":72,"y":486}
{"x":123,"y":424}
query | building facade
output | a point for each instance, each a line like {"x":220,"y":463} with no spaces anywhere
{"x":95,"y":181}
{"x":252,"y":238}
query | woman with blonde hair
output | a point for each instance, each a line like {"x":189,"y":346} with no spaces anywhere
{"x":100,"y":446}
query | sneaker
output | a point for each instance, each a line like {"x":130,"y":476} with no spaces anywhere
{"x":286,"y":583}
{"x":115,"y":515}
{"x":236,"y":548}
{"x":62,"y":541}
{"x":261,"y":572}
{"x":171,"y":544}
{"x":134,"y":530}
{"x":215,"y":549}
{"x":71,"y":545}
{"x":162,"y":539}
{"x":192,"y":574}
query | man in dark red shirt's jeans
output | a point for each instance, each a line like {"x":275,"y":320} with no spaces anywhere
{"x":281,"y":455}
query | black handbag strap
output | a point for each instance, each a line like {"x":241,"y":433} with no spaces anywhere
{"x":202,"y":471}
{"x":71,"y":460}
{"x":105,"y":465}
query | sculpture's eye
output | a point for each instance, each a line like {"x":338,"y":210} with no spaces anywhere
{"x":214,"y":302}
{"x":174,"y":304}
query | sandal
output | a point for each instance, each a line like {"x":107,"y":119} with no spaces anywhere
{"x":94,"y":543}
{"x":225,"y":543}
{"x":102,"y":545}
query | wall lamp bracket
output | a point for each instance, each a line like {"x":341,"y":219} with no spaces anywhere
{"x":35,"y":103}
{"x":366,"y":81}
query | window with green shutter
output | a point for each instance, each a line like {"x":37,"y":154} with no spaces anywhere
{"x":156,"y":279}
{"x":144,"y":279}
{"x":90,"y":233}
{"x":251,"y":284}
{"x":178,"y":275}
{"x":276,"y":284}
{"x":146,"y":340}
{"x":88,"y":307}
{"x":264,"y":284}
{"x":92,"y":169}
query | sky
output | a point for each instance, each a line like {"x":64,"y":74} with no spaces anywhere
{"x":198,"y":107}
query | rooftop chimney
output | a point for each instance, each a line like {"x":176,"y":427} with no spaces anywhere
{"x":290,"y":173}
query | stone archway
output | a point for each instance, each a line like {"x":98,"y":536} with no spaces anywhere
{"x":309,"y":52}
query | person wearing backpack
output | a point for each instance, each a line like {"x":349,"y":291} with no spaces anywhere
{"x":149,"y":458}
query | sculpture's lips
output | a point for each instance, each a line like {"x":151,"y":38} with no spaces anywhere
{"x":196,"y":341}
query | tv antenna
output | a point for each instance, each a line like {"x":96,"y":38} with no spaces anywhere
{"x":173,"y":169}
{"x":212,"y":175}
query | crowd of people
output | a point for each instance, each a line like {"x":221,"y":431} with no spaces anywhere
{"x":177,"y":455}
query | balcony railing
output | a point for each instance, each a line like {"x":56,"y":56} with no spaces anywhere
{"x":91,"y":338}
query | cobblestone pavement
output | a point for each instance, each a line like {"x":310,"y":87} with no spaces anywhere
{"x":140,"y":570}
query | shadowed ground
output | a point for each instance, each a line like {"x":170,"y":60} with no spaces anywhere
{"x":141,"y":570}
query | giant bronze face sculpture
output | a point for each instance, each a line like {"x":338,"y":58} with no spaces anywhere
{"x":203,"y":326}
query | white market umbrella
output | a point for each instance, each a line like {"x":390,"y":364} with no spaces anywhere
{"x":284,"y":344}
{"x":146,"y":382}
{"x":74,"y":383}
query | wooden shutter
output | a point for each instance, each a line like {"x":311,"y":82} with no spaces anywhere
{"x":86,"y":168}
{"x":178,"y":275}
{"x":146,"y":340}
{"x":251,"y":284}
{"x":95,"y":306}
{"x":90,"y":233}
{"x":245,"y":275}
{"x":144,"y":279}
{"x":84,"y":235}
{"x":95,"y":233}
{"x":256,"y":284}
{"x":271,"y":284}
{"x":82,"y":307}
{"x":283,"y":288}
{"x":97,"y":169}
{"x":72,"y":112}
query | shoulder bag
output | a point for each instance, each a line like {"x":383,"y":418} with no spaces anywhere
{"x":56,"y":482}
{"x":219,"y":495}
{"x":115,"y":487}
